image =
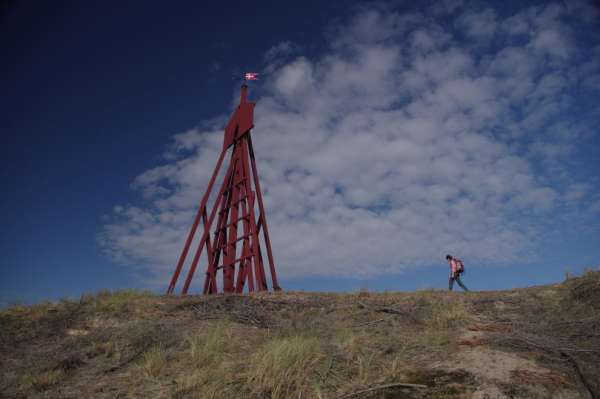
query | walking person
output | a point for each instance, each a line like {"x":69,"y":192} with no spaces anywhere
{"x":456,"y":269}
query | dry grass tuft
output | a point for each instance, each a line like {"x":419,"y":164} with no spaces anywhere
{"x":586,"y":289}
{"x":119,"y":302}
{"x":214,"y":373}
{"x":209,"y":348}
{"x":286,"y":367}
{"x":444,"y":315}
{"x":43,"y":380}
{"x":153,"y":361}
{"x":444,"y":312}
{"x":209,"y":383}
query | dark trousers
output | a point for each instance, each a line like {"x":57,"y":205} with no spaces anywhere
{"x":457,"y":279}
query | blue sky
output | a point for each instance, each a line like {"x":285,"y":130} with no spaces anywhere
{"x":387,"y":135}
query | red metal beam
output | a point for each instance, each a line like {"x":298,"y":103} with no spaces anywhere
{"x":236,"y":195}
{"x":263,"y":218}
{"x":201,"y":209}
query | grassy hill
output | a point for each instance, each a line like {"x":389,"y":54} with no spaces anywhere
{"x":538,"y":342}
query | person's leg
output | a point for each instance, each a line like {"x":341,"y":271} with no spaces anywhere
{"x":458,"y":280}
{"x":450,"y":283}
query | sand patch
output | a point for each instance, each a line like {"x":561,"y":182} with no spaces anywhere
{"x":494,"y":369}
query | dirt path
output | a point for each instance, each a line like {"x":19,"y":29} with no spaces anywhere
{"x":497,"y":372}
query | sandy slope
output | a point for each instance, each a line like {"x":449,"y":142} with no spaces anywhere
{"x":538,"y":342}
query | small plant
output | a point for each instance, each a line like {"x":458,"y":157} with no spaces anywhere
{"x":396,"y":369}
{"x":586,"y":290}
{"x":444,"y":313}
{"x":345,"y":339}
{"x":112,"y":349}
{"x":117,"y":302}
{"x":207,"y":349}
{"x":568,"y":275}
{"x":209,"y":383}
{"x":43,"y":380}
{"x":590,"y":272}
{"x":285,"y":367}
{"x":109,"y":348}
{"x":140,"y":335}
{"x":153,"y":361}
{"x":364,"y":365}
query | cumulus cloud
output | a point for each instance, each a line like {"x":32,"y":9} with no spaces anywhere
{"x":480,"y":25}
{"x":278,"y":54}
{"x":279,"y":50}
{"x":398,"y":145}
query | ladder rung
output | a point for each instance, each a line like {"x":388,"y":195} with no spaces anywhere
{"x":236,"y":261}
{"x":231,"y":224}
{"x":242,"y":258}
{"x":242,"y":237}
{"x":241,"y":199}
{"x":221,"y":212}
{"x":240,"y":218}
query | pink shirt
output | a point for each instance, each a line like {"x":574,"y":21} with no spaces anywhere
{"x":453,"y":266}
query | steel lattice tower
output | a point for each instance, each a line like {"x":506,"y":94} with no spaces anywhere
{"x":235,"y":211}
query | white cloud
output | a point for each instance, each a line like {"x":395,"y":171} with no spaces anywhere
{"x":278,"y":54}
{"x":279,"y":50}
{"x":384,"y":153}
{"x":292,"y":80}
{"x":479,"y":25}
{"x":577,"y":191}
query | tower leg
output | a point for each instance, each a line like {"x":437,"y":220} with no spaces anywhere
{"x":263,"y":219}
{"x":210,"y":281}
{"x":229,"y":258}
{"x":236,"y":196}
{"x":192,"y":232}
{"x":258,"y":264}
{"x":192,"y":270}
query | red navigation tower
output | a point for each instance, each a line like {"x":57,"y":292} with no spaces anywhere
{"x":234,"y":204}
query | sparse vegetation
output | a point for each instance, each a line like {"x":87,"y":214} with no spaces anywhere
{"x":42,"y":380}
{"x":286,"y":367}
{"x":208,"y":349}
{"x":445,"y":313}
{"x":118,"y":302}
{"x":426,"y":344}
{"x":153,"y":361}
